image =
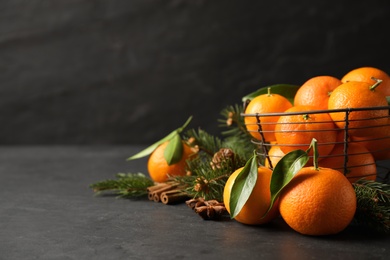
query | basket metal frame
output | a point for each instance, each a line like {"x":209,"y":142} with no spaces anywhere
{"x":264,"y":145}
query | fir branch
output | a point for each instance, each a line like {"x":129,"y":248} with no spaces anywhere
{"x":373,"y":205}
{"x":233,"y":121}
{"x":241,"y":146}
{"x":237,"y":137}
{"x":205,"y":141}
{"x":128,"y":185}
{"x":208,"y":180}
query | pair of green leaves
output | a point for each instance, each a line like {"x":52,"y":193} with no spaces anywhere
{"x":174,"y":150}
{"x":284,"y":171}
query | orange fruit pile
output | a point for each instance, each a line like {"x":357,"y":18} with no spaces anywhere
{"x":355,"y":95}
{"x":316,"y":201}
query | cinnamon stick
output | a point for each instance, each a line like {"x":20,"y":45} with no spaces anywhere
{"x":156,"y":193}
{"x":158,"y":186}
{"x":155,"y":187}
{"x":173,"y":196}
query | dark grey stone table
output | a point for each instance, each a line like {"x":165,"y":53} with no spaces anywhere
{"x":47,"y":211}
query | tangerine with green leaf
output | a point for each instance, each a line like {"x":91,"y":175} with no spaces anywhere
{"x":158,"y":167}
{"x":315,"y":200}
{"x":318,"y":201}
{"x":258,"y":202}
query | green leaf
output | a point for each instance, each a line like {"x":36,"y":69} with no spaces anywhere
{"x":180,"y":129}
{"x":174,"y":150}
{"x":286,"y":90}
{"x":243,"y":186}
{"x":153,"y":147}
{"x":284,"y":171}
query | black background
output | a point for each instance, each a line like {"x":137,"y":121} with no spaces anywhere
{"x":129,"y":72}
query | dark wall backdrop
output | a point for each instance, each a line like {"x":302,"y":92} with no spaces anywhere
{"x":129,"y":72}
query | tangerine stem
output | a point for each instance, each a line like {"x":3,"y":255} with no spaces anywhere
{"x":313,"y":145}
{"x":315,"y":154}
{"x":377,"y":83}
{"x":269,"y":91}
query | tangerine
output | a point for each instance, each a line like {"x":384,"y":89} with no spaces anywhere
{"x":266,"y":103}
{"x":360,"y":163}
{"x":274,"y":155}
{"x":258,"y":202}
{"x":158,"y":168}
{"x":318,"y":202}
{"x":378,"y":145}
{"x":316,"y":91}
{"x":365,"y":74}
{"x":357,"y":95}
{"x":296,"y":129}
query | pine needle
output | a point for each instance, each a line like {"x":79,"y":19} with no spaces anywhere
{"x":127,"y":185}
{"x":236,"y":136}
{"x":205,"y":141}
{"x":206,"y":182}
{"x":373,"y":205}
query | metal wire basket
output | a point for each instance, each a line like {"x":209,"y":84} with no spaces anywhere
{"x":382,"y":166}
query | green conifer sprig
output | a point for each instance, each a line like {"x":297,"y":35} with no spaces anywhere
{"x":127,"y":185}
{"x":208,"y":179}
{"x":206,"y":182}
{"x":235,"y":134}
{"x":232,"y":117}
{"x":206,"y":142}
{"x":373,"y":205}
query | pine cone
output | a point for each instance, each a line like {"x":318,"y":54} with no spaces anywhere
{"x":222,"y":156}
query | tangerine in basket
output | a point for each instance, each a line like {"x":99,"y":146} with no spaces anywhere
{"x":274,"y":155}
{"x":266,"y":103}
{"x":258,"y":202}
{"x":378,"y":145}
{"x":360,"y":163}
{"x":158,"y":168}
{"x":318,"y":202}
{"x":296,"y":131}
{"x":316,"y":91}
{"x":354,"y":94}
{"x":365,"y":74}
